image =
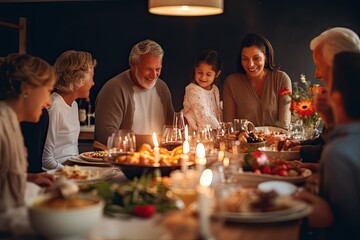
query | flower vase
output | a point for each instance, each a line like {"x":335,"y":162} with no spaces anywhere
{"x":309,"y":132}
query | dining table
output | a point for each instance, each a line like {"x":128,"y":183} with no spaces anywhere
{"x":176,"y":224}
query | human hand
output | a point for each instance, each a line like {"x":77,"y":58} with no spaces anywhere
{"x":314,"y":167}
{"x":322,"y":216}
{"x":41,"y":179}
{"x":292,"y":144}
{"x":322,"y":107}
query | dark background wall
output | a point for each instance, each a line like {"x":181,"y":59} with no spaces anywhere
{"x":108,"y":29}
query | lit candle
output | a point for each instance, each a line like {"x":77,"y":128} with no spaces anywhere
{"x":185,"y":158}
{"x":221,"y":155}
{"x":186,"y":132}
{"x":204,"y":197}
{"x":200,"y":157}
{"x":226,"y":162}
{"x":156,"y":150}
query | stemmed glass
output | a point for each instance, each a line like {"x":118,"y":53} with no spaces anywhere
{"x":206,"y":136}
{"x":183,"y":185}
{"x":121,"y":143}
{"x":171,"y":137}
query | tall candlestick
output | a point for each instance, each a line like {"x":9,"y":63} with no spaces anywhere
{"x":200,"y":157}
{"x":204,"y":197}
{"x":185,"y":157}
{"x":156,"y":150}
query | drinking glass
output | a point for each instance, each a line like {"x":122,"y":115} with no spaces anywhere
{"x":296,"y":130}
{"x":121,"y":142}
{"x":244,"y":125}
{"x":205,"y":135}
{"x":171,"y":137}
{"x":183,"y":185}
{"x":178,"y":120}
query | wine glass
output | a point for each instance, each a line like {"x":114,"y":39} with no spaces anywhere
{"x":171,"y":137}
{"x":205,"y":135}
{"x":178,"y":120}
{"x":183,"y":185}
{"x":121,"y":143}
{"x":296,"y":130}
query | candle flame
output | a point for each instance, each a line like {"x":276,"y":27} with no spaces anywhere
{"x":206,"y":178}
{"x":156,"y":144}
{"x":226,"y":162}
{"x":186,"y":147}
{"x":200,"y":150}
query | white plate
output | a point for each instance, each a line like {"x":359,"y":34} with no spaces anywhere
{"x":272,"y":152}
{"x":281,"y":187}
{"x":298,"y":210}
{"x":81,"y":161}
{"x":267,"y":129}
{"x":97,"y":173}
{"x":268,"y":217}
{"x":251,"y":180}
{"x":91,"y":159}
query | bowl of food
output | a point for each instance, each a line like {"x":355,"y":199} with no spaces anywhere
{"x":272,"y":152}
{"x":145,"y":161}
{"x":65,"y":218}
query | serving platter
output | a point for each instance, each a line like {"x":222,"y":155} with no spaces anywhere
{"x":296,"y":210}
{"x":268,"y":217}
{"x":81,"y":161}
{"x":89,"y":174}
{"x":251,"y":179}
{"x":94,"y":156}
{"x":272,"y":152}
{"x":272,"y":130}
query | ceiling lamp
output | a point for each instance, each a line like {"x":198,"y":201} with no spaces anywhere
{"x":186,"y":7}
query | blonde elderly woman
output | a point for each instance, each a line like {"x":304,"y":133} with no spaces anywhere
{"x":25,"y":86}
{"x":75,"y":72}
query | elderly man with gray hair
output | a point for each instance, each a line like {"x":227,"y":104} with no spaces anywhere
{"x":336,"y":210}
{"x":136,"y":99}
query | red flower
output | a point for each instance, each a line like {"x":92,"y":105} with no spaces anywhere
{"x":304,"y":108}
{"x":284,"y":91}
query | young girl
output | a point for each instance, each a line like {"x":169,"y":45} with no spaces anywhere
{"x":202,"y":98}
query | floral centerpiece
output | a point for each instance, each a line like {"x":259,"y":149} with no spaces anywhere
{"x":302,"y":107}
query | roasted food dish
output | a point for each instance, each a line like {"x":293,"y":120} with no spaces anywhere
{"x":95,"y":154}
{"x":75,"y":173}
{"x":146,"y":157}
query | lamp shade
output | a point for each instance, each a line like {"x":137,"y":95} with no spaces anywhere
{"x":186,"y":7}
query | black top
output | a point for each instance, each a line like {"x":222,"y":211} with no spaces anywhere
{"x":34,"y":138}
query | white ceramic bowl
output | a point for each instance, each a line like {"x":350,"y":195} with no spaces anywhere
{"x":65,"y":224}
{"x":281,"y":187}
{"x":272,"y":152}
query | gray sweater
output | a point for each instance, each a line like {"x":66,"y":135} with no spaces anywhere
{"x":114,"y":105}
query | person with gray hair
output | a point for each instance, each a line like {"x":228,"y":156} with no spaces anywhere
{"x":75,"y":72}
{"x":136,"y":99}
{"x":325,"y":46}
{"x":337,"y":207}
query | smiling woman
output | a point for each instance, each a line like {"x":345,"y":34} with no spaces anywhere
{"x":25,"y":85}
{"x":252,"y":92}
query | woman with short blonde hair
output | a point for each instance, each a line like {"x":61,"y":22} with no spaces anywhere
{"x":75,"y":72}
